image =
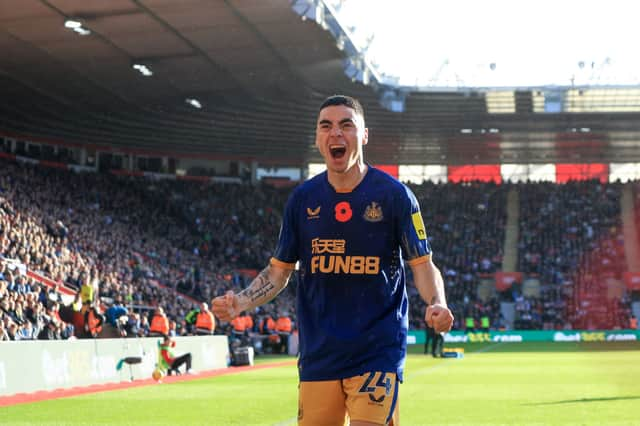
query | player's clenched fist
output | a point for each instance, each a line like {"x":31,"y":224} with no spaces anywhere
{"x":439,"y":318}
{"x":225,"y":307}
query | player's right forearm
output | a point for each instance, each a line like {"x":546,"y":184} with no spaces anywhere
{"x":267,"y":285}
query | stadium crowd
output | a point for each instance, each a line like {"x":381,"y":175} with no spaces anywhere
{"x":466,"y":223}
{"x":145,"y":246}
{"x":136,"y":240}
{"x":571,"y":240}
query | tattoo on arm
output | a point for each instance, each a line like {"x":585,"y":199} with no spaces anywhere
{"x":260,"y":288}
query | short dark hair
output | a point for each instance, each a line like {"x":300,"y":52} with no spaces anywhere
{"x":347,"y":101}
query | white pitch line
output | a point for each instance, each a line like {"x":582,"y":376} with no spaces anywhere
{"x":287,"y":422}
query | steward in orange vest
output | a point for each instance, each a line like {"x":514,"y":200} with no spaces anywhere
{"x":159,"y":324}
{"x":93,"y":321}
{"x":239,"y":325}
{"x":205,"y":322}
{"x":267,"y":325}
{"x":248,"y":321}
{"x":283,"y":327}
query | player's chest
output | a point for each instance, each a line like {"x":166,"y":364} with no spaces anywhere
{"x":355,"y":217}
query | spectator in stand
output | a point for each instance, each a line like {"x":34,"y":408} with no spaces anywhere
{"x":12,"y":331}
{"x":115,"y":312}
{"x":67,"y":330}
{"x":4,"y":334}
{"x":144,"y":329}
{"x":132,"y":326}
{"x":173,"y":328}
{"x":50,"y":332}
{"x":182,"y":328}
{"x":27,"y":332}
{"x":17,"y":312}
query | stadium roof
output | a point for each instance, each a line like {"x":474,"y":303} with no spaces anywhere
{"x":243,"y":79}
{"x":495,"y":43}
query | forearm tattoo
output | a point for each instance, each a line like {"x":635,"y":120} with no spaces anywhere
{"x":261,"y":290}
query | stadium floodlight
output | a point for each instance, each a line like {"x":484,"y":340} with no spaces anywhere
{"x":142,"y":69}
{"x":82,"y":31}
{"x":71,"y":24}
{"x":194,"y":103}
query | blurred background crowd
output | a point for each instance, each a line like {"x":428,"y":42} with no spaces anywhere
{"x":138,"y":256}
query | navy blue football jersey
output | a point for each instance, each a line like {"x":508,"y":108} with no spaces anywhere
{"x":352,"y":300}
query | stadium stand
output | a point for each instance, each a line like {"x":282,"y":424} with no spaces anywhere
{"x":150,"y":243}
{"x":143,"y":241}
{"x":466,"y":226}
{"x":571,"y":241}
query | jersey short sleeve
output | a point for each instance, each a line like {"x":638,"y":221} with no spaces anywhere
{"x":413,"y":239}
{"x":287,"y":250}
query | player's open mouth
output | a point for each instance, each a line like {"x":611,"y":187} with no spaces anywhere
{"x":337,"y":151}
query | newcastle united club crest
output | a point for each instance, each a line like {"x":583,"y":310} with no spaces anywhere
{"x":373,"y":212}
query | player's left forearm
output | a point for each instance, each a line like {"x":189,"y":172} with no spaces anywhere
{"x":428,"y":281}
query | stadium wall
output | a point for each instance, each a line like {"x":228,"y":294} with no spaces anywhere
{"x":30,"y":366}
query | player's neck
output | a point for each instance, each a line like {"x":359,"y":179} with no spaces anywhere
{"x":347,"y":181}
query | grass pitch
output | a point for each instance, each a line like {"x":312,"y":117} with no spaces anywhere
{"x":495,"y":384}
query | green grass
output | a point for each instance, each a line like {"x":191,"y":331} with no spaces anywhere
{"x":495,"y":384}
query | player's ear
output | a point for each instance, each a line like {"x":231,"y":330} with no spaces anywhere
{"x":365,"y":136}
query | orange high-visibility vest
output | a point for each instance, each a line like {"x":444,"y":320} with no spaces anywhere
{"x":248,"y":322}
{"x":159,"y":324}
{"x":267,"y":325}
{"x":239,"y":324}
{"x":633,"y":323}
{"x":283,"y":325}
{"x":205,"y":321}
